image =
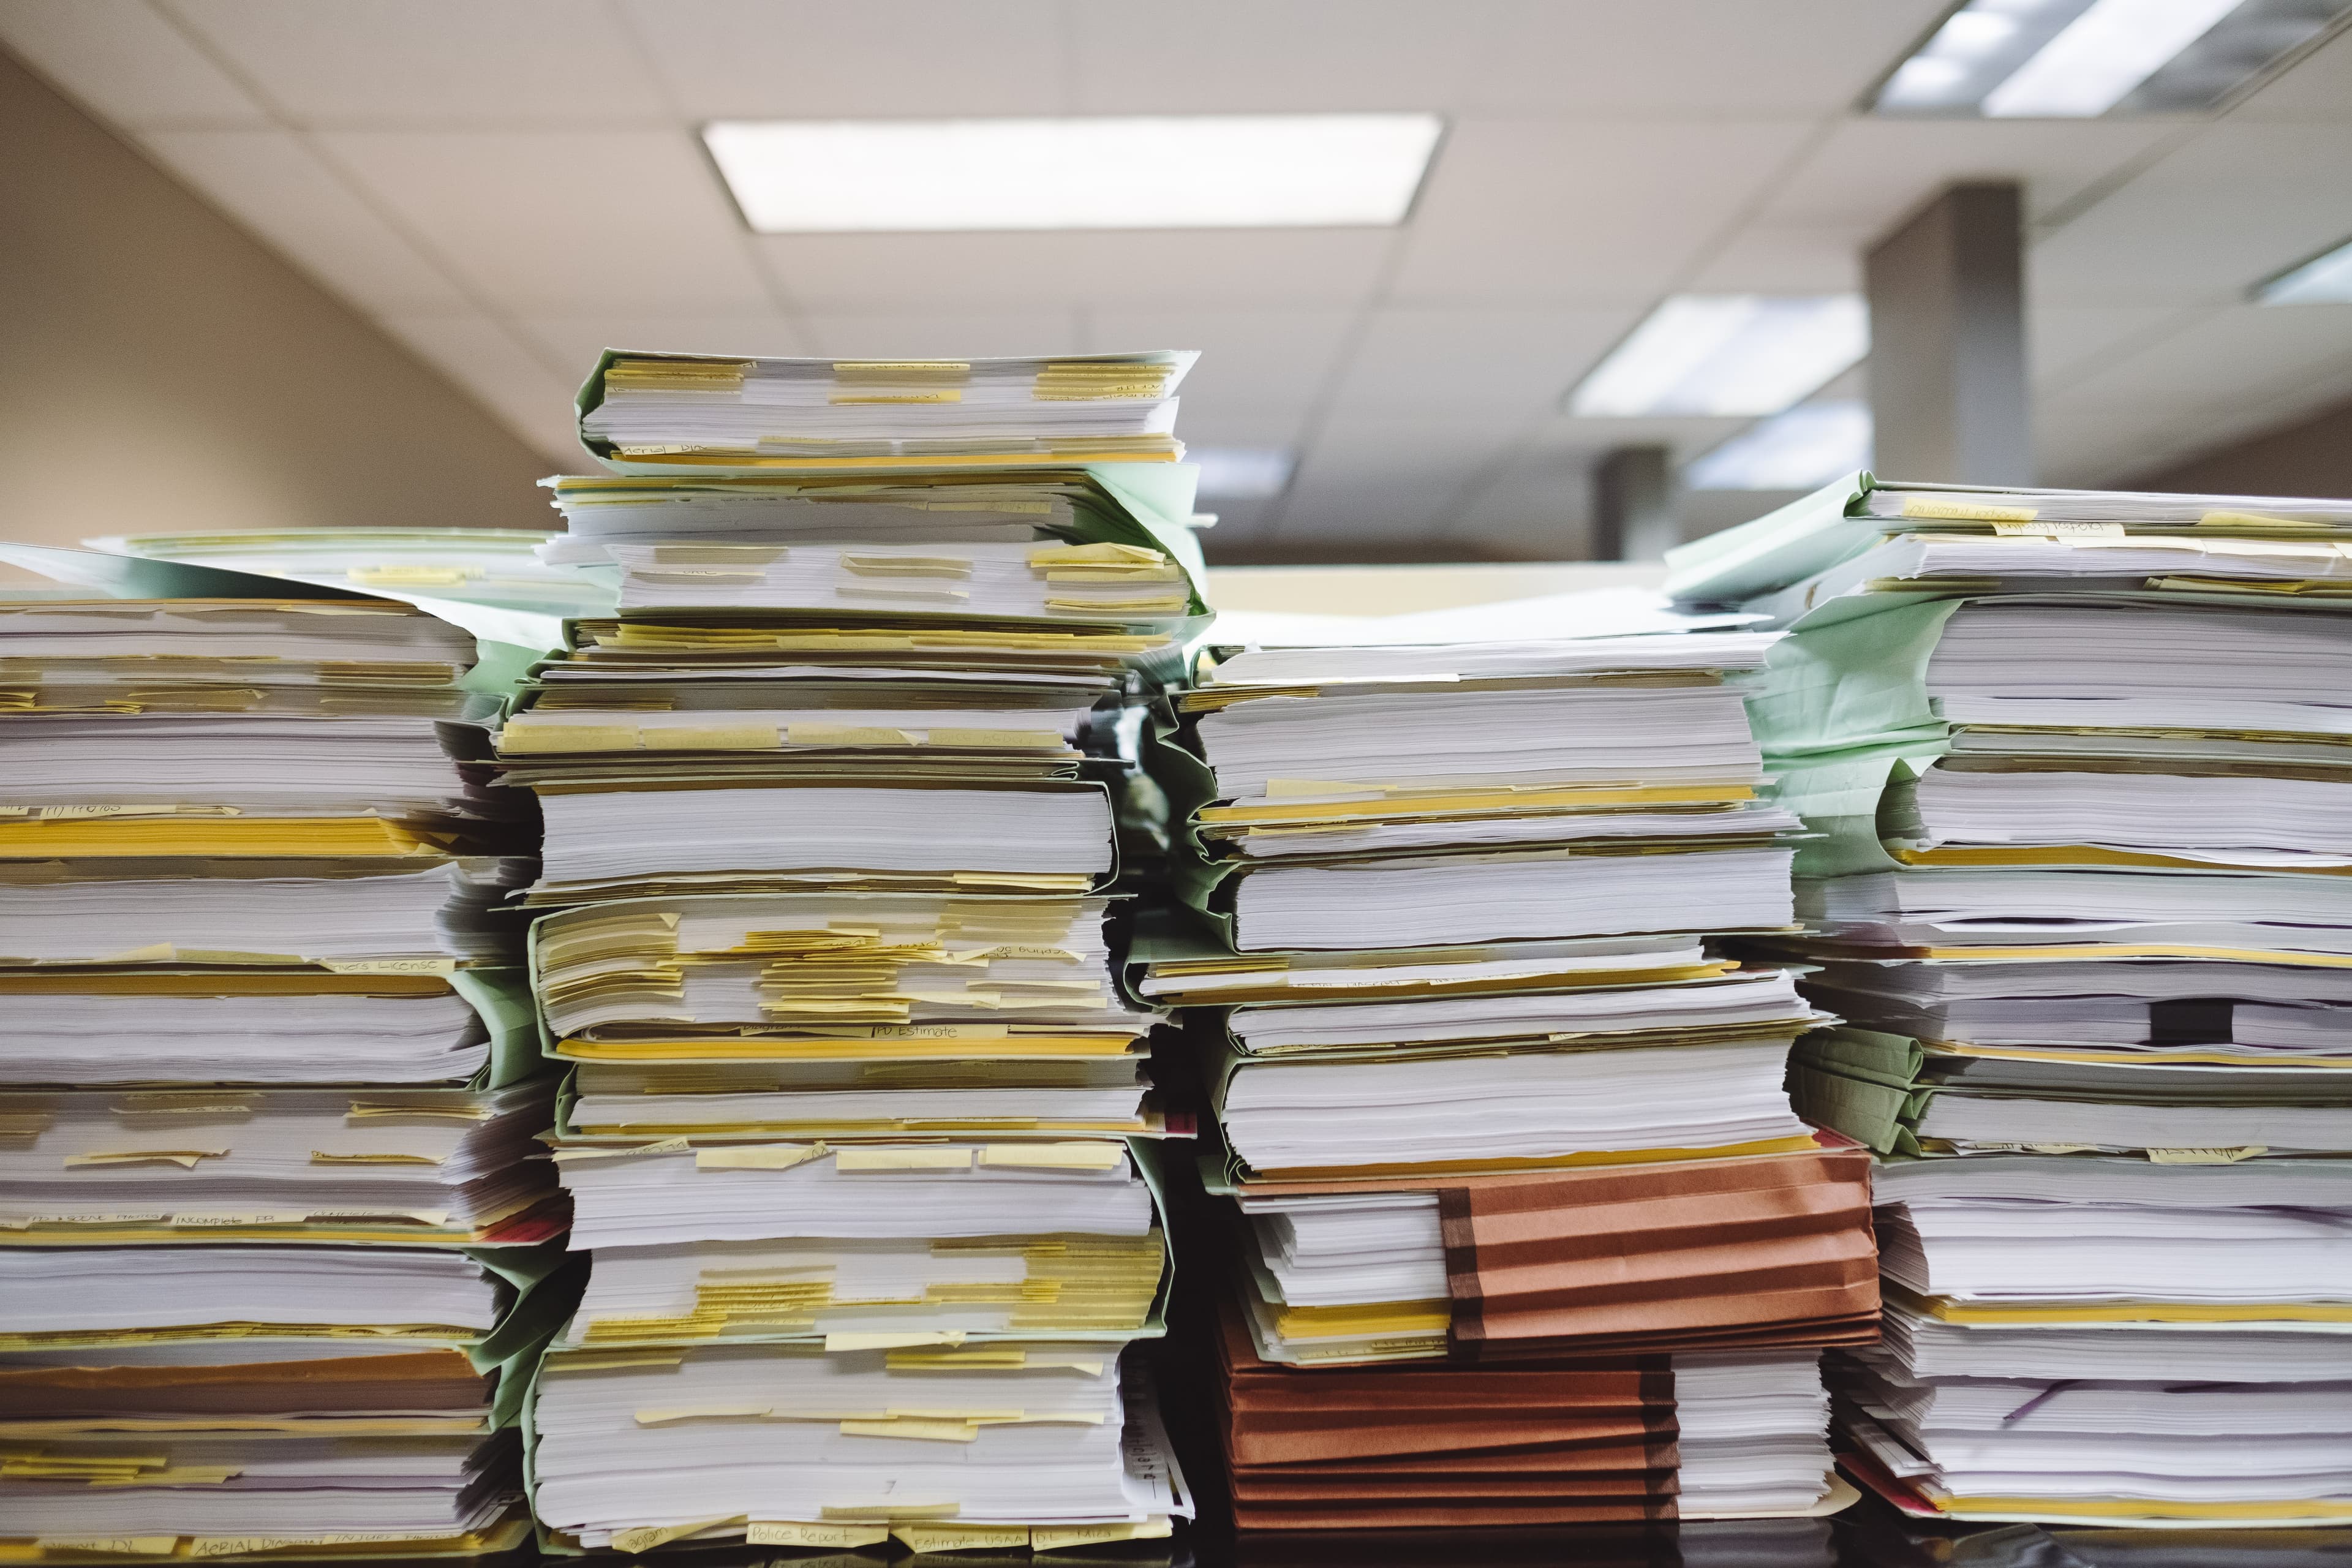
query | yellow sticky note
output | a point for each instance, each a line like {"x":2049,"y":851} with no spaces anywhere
{"x":650,"y":1536}
{"x":1090,"y":1157}
{"x":796,"y":1532}
{"x":921,"y":1431}
{"x":757,"y":1157}
{"x":2205,"y":1156}
{"x":1966,"y":512}
{"x":896,"y":1158}
{"x":885,"y":1340}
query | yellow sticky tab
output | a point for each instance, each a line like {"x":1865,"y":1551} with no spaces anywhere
{"x":1057,"y":1537}
{"x":709,"y":738}
{"x":389,"y":965}
{"x":847,"y":735}
{"x":921,"y":1431}
{"x":757,"y":1157}
{"x":961,"y":1537}
{"x":1964,"y":511}
{"x":906,"y":565}
{"x":2205,"y":1156}
{"x":903,"y":1159}
{"x":665,"y":1415}
{"x":322,"y":1157}
{"x":2255,"y":519}
{"x":2059,"y":529}
{"x":519,"y":739}
{"x":184,"y":1158}
{"x":1054,"y":1156}
{"x":647,"y":1538}
{"x":890,"y":1511}
{"x":413,"y":576}
{"x":1032,"y":739}
{"x":112,"y":1545}
{"x":883,"y":1339}
{"x":795,"y":1532}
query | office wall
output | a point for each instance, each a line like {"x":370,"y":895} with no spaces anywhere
{"x":2310,"y":457}
{"x":161,"y":369}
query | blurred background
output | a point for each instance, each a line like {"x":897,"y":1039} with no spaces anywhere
{"x":1475,"y":280}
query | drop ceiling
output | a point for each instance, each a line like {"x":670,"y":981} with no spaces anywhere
{"x":509,"y":185}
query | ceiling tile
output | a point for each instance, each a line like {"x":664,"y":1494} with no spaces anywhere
{"x":1783,"y":258}
{"x":2064,"y":341}
{"x":1513,"y":361}
{"x":812,"y":60}
{"x":1139,"y":56}
{"x":1388,"y":477}
{"x":2316,"y":87}
{"x":572,"y":343}
{"x":1587,"y":211}
{"x":914,"y":334}
{"x":431,"y":62}
{"x":504,"y":375}
{"x":1870,"y":173}
{"x":1704,"y":58}
{"x":276,"y":187}
{"x":549,"y":222}
{"x":125,"y":62}
{"x":1249,"y":358}
{"x":1330,"y":267}
{"x":1221,"y":424}
{"x":2240,"y":201}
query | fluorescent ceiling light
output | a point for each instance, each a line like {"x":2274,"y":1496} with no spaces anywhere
{"x":2322,"y":281}
{"x":1726,"y":354}
{"x":1207,"y":171}
{"x":1240,"y":473}
{"x":1802,"y":449}
{"x":2102,"y":55}
{"x":2077,"y":59}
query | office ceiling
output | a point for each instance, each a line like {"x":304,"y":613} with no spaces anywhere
{"x":509,"y":185}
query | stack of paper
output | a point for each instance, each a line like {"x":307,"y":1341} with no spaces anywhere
{"x":270,"y":1186}
{"x":2081,"y":769}
{"x":1487,"y":1084}
{"x":860,"y":1131}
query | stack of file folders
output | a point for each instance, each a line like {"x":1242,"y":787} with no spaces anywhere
{"x":859,"y":1127}
{"x":275,"y":1258}
{"x":1490,"y":1092}
{"x":2080,"y":767}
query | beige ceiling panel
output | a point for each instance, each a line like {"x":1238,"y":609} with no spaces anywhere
{"x":1869,"y":173}
{"x":1784,"y":258}
{"x":127,"y":62}
{"x":924,"y":335}
{"x":275,"y":186}
{"x":572,"y":343}
{"x":1515,"y":360}
{"x":1329,"y":267}
{"x":546,"y":223}
{"x":1584,"y":212}
{"x":2241,"y":201}
{"x":2317,"y":87}
{"x":1697,"y":58}
{"x":1139,"y":56}
{"x":510,"y":381}
{"x":2068,"y":341}
{"x":1249,"y":357}
{"x":815,"y":59}
{"x":437,"y":63}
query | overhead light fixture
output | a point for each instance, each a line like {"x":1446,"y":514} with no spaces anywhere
{"x":2322,"y":281}
{"x":1203,"y":171}
{"x":1802,"y":449}
{"x":2077,"y":59}
{"x":1728,"y":354}
{"x":1240,"y":473}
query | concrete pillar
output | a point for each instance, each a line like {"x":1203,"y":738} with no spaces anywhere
{"x":1633,"y":505}
{"x":1947,"y":290}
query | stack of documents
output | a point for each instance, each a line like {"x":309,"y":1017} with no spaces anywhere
{"x":273,"y":1216}
{"x":2080,"y":769}
{"x":859,"y":1129}
{"x":1489,"y":1087}
{"x":1658,"y":1438}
